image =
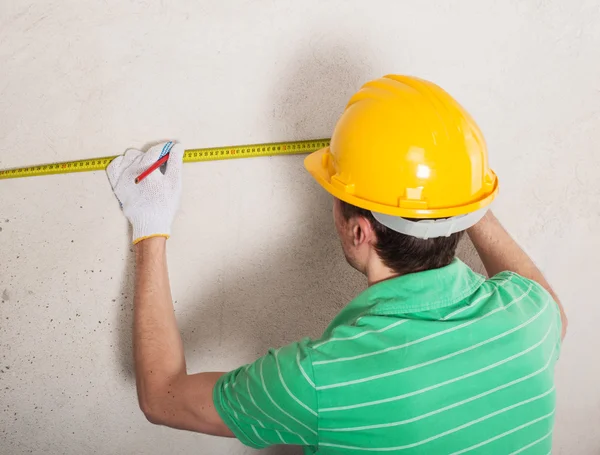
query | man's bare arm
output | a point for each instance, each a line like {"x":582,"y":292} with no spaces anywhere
{"x":499,"y":252}
{"x":167,"y":394}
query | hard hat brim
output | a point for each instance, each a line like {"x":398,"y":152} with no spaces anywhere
{"x":314,"y":165}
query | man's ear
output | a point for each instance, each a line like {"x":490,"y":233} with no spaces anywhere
{"x":362,"y":231}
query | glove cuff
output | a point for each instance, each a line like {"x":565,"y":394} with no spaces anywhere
{"x":148,"y":227}
{"x":139,"y":239}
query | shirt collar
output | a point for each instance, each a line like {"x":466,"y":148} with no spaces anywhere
{"x":421,"y":291}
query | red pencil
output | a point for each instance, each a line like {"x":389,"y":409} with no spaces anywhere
{"x":152,"y":168}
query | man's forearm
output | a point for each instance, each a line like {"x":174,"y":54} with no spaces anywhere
{"x":158,"y":349}
{"x":499,"y":252}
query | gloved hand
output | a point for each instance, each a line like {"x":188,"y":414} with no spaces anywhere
{"x":150,"y":205}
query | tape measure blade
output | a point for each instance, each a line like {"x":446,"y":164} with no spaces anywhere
{"x":64,"y":167}
{"x":254,"y":150}
{"x":191,"y":155}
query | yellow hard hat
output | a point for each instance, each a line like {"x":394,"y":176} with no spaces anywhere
{"x":405,"y":148}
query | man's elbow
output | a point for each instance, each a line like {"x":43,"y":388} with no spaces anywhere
{"x":154,"y":409}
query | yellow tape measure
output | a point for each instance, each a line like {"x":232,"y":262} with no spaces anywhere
{"x":190,"y":156}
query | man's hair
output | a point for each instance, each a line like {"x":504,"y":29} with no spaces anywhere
{"x":404,"y":253}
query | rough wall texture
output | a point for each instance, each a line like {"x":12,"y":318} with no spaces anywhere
{"x":254,"y":259}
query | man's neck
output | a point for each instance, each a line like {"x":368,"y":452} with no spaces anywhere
{"x":378,"y":272}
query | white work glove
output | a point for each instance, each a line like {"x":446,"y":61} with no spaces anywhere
{"x":150,"y":205}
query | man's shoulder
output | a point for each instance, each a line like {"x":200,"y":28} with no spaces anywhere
{"x":506,"y":295}
{"x":513,"y":282}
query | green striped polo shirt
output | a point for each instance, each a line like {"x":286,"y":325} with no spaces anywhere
{"x":436,"y":362}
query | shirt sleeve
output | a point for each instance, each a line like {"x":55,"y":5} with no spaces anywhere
{"x":271,"y":401}
{"x":543,"y":295}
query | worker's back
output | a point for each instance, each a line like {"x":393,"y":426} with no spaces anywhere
{"x":435,"y":362}
{"x":440,"y":362}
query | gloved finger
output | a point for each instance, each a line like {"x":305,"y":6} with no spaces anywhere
{"x":113,"y":170}
{"x":175,"y":162}
{"x":119,"y":164}
{"x":157,"y":152}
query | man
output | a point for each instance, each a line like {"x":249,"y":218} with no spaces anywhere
{"x":431,"y":358}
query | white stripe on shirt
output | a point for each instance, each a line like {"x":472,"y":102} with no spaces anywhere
{"x":446,"y":408}
{"x":288,"y":390}
{"x":433,"y":361}
{"x":280,"y":437}
{"x":248,"y":415}
{"x":258,"y":436}
{"x":441,"y":384}
{"x":446,"y":433}
{"x":537,"y":441}
{"x":259,"y":408}
{"x":428,"y":337}
{"x":506,"y":433}
{"x":361,"y":334}
{"x":302,"y":370}
{"x":279,"y":407}
{"x":397,"y":323}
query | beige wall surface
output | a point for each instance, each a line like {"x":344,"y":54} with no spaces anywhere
{"x":254,"y":258}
